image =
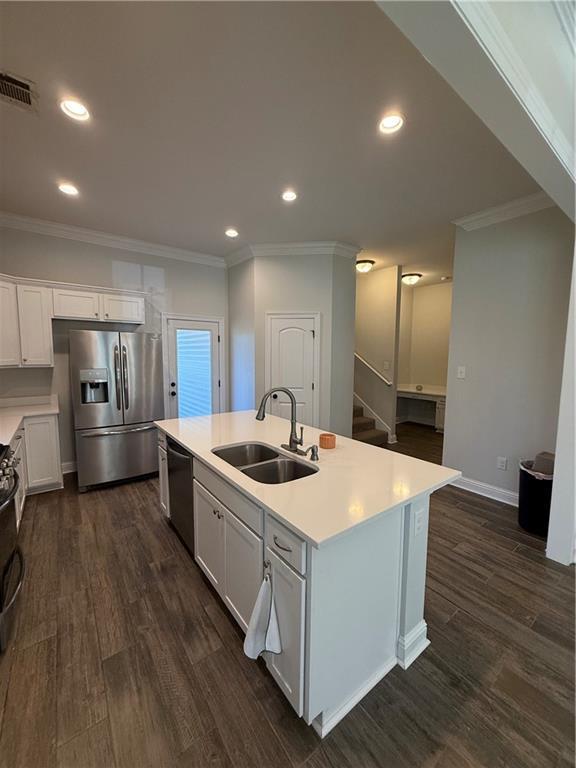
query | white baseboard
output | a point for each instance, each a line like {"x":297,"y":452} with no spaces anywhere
{"x":380,"y":423}
{"x":410,"y":646}
{"x":490,"y":491}
{"x":68,"y":466}
{"x":324,"y":723}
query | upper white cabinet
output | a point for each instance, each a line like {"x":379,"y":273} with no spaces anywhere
{"x":35,"y":321}
{"x":10,"y":336}
{"x":76,"y":305}
{"x":121,"y":308}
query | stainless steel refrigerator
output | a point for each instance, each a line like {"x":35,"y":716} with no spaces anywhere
{"x":116,"y":381}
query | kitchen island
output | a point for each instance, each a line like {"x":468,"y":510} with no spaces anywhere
{"x":345,"y":548}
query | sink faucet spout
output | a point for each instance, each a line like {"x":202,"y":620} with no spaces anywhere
{"x":293,"y":441}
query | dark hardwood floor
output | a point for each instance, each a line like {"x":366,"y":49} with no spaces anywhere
{"x":124,"y":657}
{"x":418,"y":440}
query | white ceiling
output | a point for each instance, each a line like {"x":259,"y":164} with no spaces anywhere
{"x":203,"y":112}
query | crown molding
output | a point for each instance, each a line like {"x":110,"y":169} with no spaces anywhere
{"x":512,"y":210}
{"x":94,"y":237}
{"x":237,"y":257}
{"x":313,"y":248}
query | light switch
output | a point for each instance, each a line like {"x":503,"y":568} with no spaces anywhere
{"x":501,"y":462}
{"x":461,"y":372}
{"x":386,"y":365}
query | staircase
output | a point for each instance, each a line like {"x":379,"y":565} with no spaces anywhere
{"x":364,"y":429}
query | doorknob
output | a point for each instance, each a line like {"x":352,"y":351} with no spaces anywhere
{"x":274,"y":396}
{"x":172,"y":383}
{"x":172,"y":394}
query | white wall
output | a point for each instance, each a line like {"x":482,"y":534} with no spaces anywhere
{"x":175,"y":286}
{"x":424,"y":334}
{"x":377,"y":339}
{"x":342,"y":373}
{"x":242,"y":338}
{"x":510,"y":303}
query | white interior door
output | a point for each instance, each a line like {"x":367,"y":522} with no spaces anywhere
{"x":193,"y":368}
{"x":291,"y":354}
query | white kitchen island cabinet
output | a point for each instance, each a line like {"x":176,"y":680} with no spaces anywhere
{"x":345,"y":547}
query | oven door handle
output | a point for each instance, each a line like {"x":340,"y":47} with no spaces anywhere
{"x":17,"y":553}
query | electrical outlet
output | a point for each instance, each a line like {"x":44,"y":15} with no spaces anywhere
{"x":418,"y":522}
{"x":386,"y":365}
{"x":501,"y":462}
{"x":461,"y":372}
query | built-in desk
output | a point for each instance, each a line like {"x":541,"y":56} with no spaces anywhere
{"x":432,"y":415}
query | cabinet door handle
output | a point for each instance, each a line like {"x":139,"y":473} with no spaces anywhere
{"x":280,"y":546}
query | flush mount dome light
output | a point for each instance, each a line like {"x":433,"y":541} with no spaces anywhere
{"x":74,"y":109}
{"x":68,"y":189}
{"x":231,"y":232}
{"x":411,"y":278}
{"x":364,"y":265}
{"x":391,"y":123}
{"x":289,"y":195}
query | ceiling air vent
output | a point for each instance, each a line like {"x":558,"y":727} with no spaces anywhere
{"x":16,"y":91}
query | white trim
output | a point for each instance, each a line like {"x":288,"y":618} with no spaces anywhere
{"x":491,"y":36}
{"x":72,"y":286}
{"x":222,"y":355}
{"x":489,"y":491}
{"x":317,"y":317}
{"x":68,"y":467}
{"x":237,"y":257}
{"x":324,"y":723}
{"x":512,"y":210}
{"x":312,"y":248}
{"x":70,"y":232}
{"x":380,"y":423}
{"x":410,"y":646}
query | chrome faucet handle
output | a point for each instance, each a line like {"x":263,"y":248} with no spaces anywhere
{"x":313,"y":450}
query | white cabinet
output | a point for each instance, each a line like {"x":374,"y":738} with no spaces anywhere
{"x":287,"y":667}
{"x":42,"y":453}
{"x":163,"y":481}
{"x":243,"y":566}
{"x":121,"y":308}
{"x":76,"y":305}
{"x":18,"y":445}
{"x":9,"y":335}
{"x":209,"y":536}
{"x":35,"y":320}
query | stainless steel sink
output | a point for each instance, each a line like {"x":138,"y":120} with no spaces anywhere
{"x":245,"y":454}
{"x":279,"y":471}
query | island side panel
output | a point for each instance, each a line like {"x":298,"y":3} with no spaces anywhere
{"x":353,"y":605}
{"x":413,"y":638}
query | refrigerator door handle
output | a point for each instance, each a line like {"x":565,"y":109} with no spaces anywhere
{"x":118,"y":432}
{"x":117,"y":377}
{"x":125,"y":378}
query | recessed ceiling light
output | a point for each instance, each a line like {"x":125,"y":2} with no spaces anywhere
{"x":289,"y":195}
{"x":364,"y":265}
{"x":74,"y":109}
{"x":391,"y":123}
{"x":68,"y":189}
{"x":231,"y":232}
{"x":411,"y":278}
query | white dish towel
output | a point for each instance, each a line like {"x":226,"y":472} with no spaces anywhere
{"x":263,"y":633}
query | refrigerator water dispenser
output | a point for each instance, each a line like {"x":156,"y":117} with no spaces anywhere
{"x":94,"y":385}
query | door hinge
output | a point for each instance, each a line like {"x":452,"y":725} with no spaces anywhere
{"x":312,"y":386}
{"x":218,"y":382}
{"x":313,"y":334}
{"x":218,"y":338}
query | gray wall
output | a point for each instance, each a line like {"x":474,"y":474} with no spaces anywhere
{"x":175,"y":286}
{"x":342,"y":373}
{"x":509,"y":310}
{"x":242,"y":338}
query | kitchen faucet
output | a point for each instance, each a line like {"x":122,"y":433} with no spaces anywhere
{"x":293,"y":441}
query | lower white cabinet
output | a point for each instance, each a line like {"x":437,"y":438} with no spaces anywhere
{"x":18,"y":445}
{"x":287,"y":667}
{"x":243,"y":568}
{"x":44,"y":470}
{"x":163,"y":478}
{"x":10,"y":336}
{"x":209,"y":535}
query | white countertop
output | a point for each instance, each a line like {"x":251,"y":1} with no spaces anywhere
{"x":427,"y":389}
{"x":355,"y":481}
{"x":14,"y":409}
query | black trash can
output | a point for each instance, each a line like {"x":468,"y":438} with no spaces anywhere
{"x":535,"y":494}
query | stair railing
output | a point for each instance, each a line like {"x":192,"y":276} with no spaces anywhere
{"x":371,"y":367}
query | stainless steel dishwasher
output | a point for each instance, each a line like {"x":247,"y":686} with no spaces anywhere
{"x":180,"y":489}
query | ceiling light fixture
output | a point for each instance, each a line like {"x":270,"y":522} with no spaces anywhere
{"x":391,"y":123}
{"x":74,"y":109}
{"x":289,"y":195}
{"x":411,"y":278}
{"x":231,"y":232}
{"x":68,"y":189}
{"x":364,"y":265}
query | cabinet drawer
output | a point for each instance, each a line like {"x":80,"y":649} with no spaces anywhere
{"x":242,"y":507}
{"x":286,"y":544}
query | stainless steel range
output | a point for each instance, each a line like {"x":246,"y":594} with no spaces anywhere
{"x":116,"y":381}
{"x":12,"y":566}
